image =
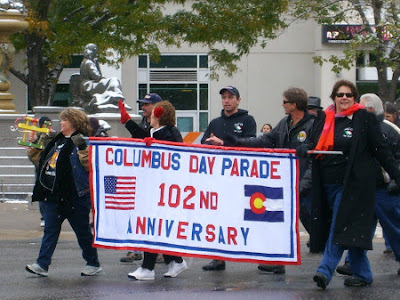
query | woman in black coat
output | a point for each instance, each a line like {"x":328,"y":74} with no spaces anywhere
{"x":162,"y":122}
{"x":62,"y":183}
{"x":344,"y":185}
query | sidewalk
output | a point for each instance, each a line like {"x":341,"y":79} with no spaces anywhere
{"x":19,"y":221}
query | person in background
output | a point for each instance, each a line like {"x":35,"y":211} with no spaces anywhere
{"x":392,"y":114}
{"x":343,"y":186}
{"x":233,"y":121}
{"x":266,"y":128}
{"x":62,"y":182}
{"x":314,"y":105}
{"x":162,"y":122}
{"x":99,"y":130}
{"x":141,"y":131}
{"x":34,"y":156}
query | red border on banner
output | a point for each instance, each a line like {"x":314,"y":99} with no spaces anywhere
{"x":148,"y":142}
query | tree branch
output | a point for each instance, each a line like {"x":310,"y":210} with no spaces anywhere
{"x":74,"y":12}
{"x":21,"y":76}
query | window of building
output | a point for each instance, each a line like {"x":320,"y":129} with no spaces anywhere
{"x":184,"y":81}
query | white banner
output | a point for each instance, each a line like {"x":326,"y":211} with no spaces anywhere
{"x":234,"y":204}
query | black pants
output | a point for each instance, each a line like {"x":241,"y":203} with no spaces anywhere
{"x":149,"y":260}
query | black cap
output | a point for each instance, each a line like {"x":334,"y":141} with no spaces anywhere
{"x":151,"y":98}
{"x":230,"y":89}
{"x":42,"y":120}
{"x":314,"y":102}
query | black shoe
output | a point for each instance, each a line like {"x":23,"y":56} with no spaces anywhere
{"x":352,"y":281}
{"x":276,"y":269}
{"x":215,"y":265}
{"x":344,"y":270}
{"x":321,"y":280}
{"x":387,"y":251}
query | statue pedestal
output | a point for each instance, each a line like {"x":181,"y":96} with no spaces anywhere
{"x":11,"y":21}
{"x":6,"y":105}
{"x":117,"y":129}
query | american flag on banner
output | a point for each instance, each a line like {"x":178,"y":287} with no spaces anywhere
{"x":119,"y":192}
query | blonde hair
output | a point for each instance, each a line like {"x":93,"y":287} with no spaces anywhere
{"x":78,"y":119}
{"x":168,"y":116}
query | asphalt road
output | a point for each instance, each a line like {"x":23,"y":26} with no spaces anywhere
{"x":20,"y":237}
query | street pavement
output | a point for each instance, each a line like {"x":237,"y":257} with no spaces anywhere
{"x":20,"y":237}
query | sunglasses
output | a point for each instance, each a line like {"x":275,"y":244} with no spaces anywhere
{"x":285,"y":101}
{"x":348,"y":95}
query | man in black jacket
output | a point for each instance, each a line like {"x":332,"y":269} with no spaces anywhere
{"x":233,"y":121}
{"x":292,"y":131}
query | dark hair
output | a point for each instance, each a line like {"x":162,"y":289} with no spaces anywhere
{"x":43,"y":119}
{"x":298,"y":96}
{"x":390,"y":108}
{"x":347,"y":83}
{"x":266,"y":124}
{"x":168,"y":116}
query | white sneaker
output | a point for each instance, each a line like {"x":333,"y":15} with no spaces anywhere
{"x":174,"y":268}
{"x":42,"y":223}
{"x":142,"y":274}
{"x":36,"y":269}
{"x":90,"y":270}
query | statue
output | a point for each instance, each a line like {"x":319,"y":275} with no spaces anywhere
{"x":98,"y":94}
{"x":12,"y":4}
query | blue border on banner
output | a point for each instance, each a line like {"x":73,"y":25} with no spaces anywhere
{"x":143,"y":243}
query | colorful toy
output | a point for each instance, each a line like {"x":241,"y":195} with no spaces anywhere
{"x":30,"y":130}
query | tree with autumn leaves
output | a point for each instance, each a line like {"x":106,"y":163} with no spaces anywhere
{"x":379,"y":35}
{"x":59,"y":29}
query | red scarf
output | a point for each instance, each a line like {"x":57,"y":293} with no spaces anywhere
{"x":325,"y":142}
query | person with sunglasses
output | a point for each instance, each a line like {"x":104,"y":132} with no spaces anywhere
{"x":343,"y":186}
{"x":292,"y":131}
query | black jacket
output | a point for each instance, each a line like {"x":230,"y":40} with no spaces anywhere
{"x":282,"y":136}
{"x":240,"y":124}
{"x":168,"y":133}
{"x":392,"y":137}
{"x":139,"y":131}
{"x":355,"y":217}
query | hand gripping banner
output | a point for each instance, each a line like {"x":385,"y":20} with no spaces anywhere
{"x":235,"y":204}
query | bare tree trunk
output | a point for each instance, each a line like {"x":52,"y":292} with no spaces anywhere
{"x":38,"y":89}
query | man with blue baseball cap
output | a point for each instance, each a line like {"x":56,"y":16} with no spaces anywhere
{"x":141,"y":131}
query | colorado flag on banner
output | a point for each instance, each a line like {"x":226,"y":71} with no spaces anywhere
{"x":266,"y":203}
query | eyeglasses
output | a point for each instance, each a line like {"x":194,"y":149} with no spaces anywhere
{"x":348,"y":95}
{"x":285,"y":101}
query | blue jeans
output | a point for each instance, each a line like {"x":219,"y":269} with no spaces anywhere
{"x":42,"y":209}
{"x":79,"y":221}
{"x":333,"y":253}
{"x":387,"y":211}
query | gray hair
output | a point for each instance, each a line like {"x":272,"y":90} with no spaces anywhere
{"x":372,"y":100}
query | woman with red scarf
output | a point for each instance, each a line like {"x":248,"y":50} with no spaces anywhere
{"x":343,"y":186}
